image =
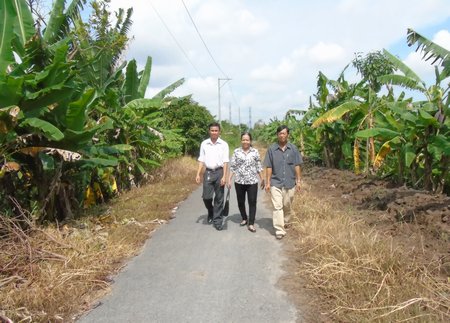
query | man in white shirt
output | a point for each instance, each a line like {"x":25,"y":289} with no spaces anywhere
{"x":214,"y":158}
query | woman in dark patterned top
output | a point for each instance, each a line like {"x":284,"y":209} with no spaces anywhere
{"x":246,"y":165}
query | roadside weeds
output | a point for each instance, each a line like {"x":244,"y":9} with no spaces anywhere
{"x":358,"y":274}
{"x":341,"y":268}
{"x":52,"y":274}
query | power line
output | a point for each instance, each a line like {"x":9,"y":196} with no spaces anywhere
{"x":232,"y":94}
{"x":198,"y":32}
{"x":176,"y":41}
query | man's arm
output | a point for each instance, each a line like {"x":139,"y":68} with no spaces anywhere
{"x":199,"y":172}
{"x":298,"y":177}
{"x":223,"y":181}
{"x":268,"y":177}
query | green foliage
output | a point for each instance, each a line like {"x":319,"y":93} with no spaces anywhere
{"x":231,"y":134}
{"x":404,"y":140}
{"x":372,"y":66}
{"x":70,"y":117}
{"x":190,"y":120}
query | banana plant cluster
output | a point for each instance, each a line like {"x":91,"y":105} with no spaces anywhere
{"x":358,"y":126}
{"x":70,"y":116}
{"x":405,"y":139}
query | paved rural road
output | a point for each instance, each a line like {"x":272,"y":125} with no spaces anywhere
{"x":190,"y":272}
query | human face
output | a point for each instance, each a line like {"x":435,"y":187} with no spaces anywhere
{"x":283,"y":136}
{"x":214,"y":133}
{"x":245,"y":142}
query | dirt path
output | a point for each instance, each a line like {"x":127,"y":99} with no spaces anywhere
{"x":189,"y":272}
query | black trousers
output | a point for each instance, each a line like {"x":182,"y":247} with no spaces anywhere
{"x":252,"y":194}
{"x":213,"y":191}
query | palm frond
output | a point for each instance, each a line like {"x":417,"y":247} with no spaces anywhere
{"x":127,"y":23}
{"x":336,"y":113}
{"x":169,"y":89}
{"x":401,"y":66}
{"x":74,"y":9}
{"x":430,"y":49}
{"x":403,"y":81}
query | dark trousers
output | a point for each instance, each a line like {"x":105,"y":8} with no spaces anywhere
{"x":252,"y":193}
{"x":213,"y":195}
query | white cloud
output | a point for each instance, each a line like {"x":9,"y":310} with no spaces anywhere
{"x":326,"y":53}
{"x":284,"y":71}
{"x":442,"y":38}
{"x":272,"y":50}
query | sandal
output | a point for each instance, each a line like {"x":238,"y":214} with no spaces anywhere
{"x":244,"y":222}
{"x":251,"y":228}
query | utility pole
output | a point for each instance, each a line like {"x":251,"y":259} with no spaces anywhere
{"x":249,"y":118}
{"x":229,"y":112}
{"x":219,"y":86}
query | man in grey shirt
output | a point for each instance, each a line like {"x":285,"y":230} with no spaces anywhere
{"x":283,"y":175}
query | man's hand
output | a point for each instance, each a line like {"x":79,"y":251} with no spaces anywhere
{"x":197,"y":179}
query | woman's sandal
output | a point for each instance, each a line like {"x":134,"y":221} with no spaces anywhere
{"x":251,"y":228}
{"x":244,"y":222}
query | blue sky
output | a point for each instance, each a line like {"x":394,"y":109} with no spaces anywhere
{"x":272,"y":50}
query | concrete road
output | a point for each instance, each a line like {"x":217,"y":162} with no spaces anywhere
{"x":190,"y":272}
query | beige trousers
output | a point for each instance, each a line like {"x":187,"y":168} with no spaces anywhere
{"x":282,"y":199}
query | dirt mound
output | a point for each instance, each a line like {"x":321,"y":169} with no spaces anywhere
{"x":418,"y":221}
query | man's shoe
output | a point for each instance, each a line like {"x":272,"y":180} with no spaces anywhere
{"x":279,"y":236}
{"x":219,"y":227}
{"x":209,"y":220}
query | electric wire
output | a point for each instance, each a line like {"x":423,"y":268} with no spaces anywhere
{"x":201,"y":38}
{"x":176,"y":41}
{"x":232,"y":95}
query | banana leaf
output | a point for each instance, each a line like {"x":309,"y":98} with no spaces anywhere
{"x":336,"y":113}
{"x":44,"y":127}
{"x":145,"y":78}
{"x":374,"y":132}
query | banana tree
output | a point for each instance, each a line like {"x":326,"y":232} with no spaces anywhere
{"x":334,"y":131}
{"x":357,"y":110}
{"x":49,"y":122}
{"x":429,"y":148}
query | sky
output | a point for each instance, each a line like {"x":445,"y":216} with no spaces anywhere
{"x":272,"y":51}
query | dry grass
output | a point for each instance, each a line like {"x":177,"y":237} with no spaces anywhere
{"x":360,"y":275}
{"x":52,"y":274}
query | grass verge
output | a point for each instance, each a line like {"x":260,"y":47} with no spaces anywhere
{"x":52,"y":274}
{"x":359,"y":275}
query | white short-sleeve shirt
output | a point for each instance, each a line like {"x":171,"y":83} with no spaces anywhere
{"x":214,"y":155}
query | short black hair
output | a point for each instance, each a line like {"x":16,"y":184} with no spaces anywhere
{"x":281,"y":128}
{"x":214,"y":124}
